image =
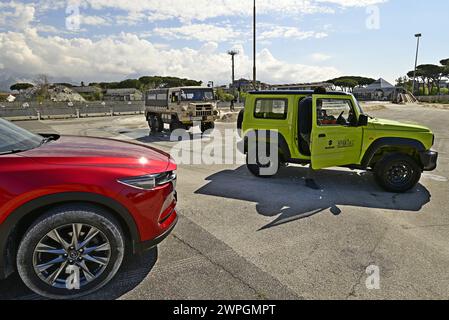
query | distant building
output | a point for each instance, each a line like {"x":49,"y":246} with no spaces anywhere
{"x":87,"y":90}
{"x":245,"y":85}
{"x":11,"y":98}
{"x":444,"y":84}
{"x":303,"y":86}
{"x":123,"y":95}
{"x":380,"y":90}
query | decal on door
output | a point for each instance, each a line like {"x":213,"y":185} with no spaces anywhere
{"x":346,"y":143}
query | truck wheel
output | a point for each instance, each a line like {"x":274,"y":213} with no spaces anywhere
{"x":397,"y":173}
{"x":207,"y":126}
{"x":255,"y":169}
{"x":71,"y":251}
{"x":159,"y":124}
{"x":152,"y":124}
{"x":175,"y":125}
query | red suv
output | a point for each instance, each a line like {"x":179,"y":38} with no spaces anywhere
{"x":71,"y":207}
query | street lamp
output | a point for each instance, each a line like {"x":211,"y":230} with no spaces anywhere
{"x":254,"y":47}
{"x":418,"y":36}
{"x":233,"y":53}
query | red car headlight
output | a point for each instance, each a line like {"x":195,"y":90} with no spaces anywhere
{"x":150,"y":181}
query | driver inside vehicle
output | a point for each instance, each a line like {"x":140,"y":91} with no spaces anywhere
{"x":334,"y":112}
{"x":323,"y":117}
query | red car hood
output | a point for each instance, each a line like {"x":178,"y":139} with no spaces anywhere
{"x":84,"y":151}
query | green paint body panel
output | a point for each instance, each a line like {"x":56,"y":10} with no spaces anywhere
{"x":349,"y":144}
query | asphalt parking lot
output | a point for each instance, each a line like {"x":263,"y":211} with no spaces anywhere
{"x":240,"y":237}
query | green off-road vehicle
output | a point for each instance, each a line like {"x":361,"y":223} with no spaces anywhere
{"x":331,"y":130}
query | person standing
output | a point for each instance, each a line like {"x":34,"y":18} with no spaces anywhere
{"x":232,"y":106}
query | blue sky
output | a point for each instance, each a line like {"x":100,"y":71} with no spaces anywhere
{"x":298,"y":40}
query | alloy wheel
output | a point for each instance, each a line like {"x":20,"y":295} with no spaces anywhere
{"x":71,"y":247}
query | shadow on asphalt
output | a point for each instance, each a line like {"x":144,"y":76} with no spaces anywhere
{"x":165,"y":136}
{"x":287,"y":197}
{"x":134,"y":270}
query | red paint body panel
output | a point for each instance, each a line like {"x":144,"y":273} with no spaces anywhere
{"x":89,"y":165}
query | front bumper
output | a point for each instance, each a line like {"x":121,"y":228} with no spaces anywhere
{"x":429,"y":160}
{"x":148,"y":245}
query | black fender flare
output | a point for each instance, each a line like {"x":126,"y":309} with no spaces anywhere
{"x":390,"y":142}
{"x":282,"y":144}
{"x":7,"y":228}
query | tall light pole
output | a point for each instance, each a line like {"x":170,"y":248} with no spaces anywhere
{"x":233,"y":53}
{"x":418,"y":36}
{"x":254,"y":48}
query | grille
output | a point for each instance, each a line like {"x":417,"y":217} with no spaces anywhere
{"x":202,"y":111}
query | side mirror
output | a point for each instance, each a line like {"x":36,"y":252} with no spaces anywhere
{"x":363,"y":120}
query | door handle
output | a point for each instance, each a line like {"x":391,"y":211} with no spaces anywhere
{"x":322,"y":135}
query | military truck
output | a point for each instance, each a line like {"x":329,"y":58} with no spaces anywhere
{"x":180,"y":108}
{"x":331,"y":129}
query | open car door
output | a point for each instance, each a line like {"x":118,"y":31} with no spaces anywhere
{"x":336,"y":139}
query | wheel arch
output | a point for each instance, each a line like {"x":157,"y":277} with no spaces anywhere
{"x":405,"y":145}
{"x":283,"y":147}
{"x":13,"y":228}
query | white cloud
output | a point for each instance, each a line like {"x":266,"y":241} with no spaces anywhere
{"x":320,"y":57}
{"x":276,"y":32}
{"x":201,"y":32}
{"x":115,"y":57}
{"x":16,"y":15}
{"x":206,"y":9}
{"x":353,"y":3}
{"x":106,"y":58}
{"x":93,"y":21}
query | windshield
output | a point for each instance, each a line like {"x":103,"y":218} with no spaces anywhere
{"x":15,"y":139}
{"x":197,"y":95}
{"x":361,"y":111}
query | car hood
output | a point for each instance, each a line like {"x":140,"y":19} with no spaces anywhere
{"x":384,"y":124}
{"x":84,"y":151}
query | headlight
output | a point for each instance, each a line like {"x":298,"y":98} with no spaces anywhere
{"x":150,"y":181}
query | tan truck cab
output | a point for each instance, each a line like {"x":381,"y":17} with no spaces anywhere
{"x":180,"y":108}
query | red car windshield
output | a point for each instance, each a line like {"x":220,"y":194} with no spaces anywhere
{"x":15,"y":139}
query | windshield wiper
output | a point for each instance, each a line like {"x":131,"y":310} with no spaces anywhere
{"x":12,"y":151}
{"x":47,"y":140}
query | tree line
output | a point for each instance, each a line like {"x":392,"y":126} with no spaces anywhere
{"x":148,"y":82}
{"x":348,"y":83}
{"x":428,"y":78}
{"x":143,"y":83}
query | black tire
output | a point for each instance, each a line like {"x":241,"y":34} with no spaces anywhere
{"x":240,"y":122}
{"x":397,"y":172}
{"x":176,"y":125}
{"x":152,"y":124}
{"x":91,"y":218}
{"x":207,"y":126}
{"x":159,"y":124}
{"x":256,"y":168}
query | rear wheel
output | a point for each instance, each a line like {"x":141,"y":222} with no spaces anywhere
{"x":240,"y":119}
{"x":259,"y":170}
{"x":159,"y":123}
{"x":152,"y":123}
{"x":70,"y":252}
{"x":397,"y":173}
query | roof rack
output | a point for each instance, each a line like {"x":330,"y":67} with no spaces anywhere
{"x":297,"y":92}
